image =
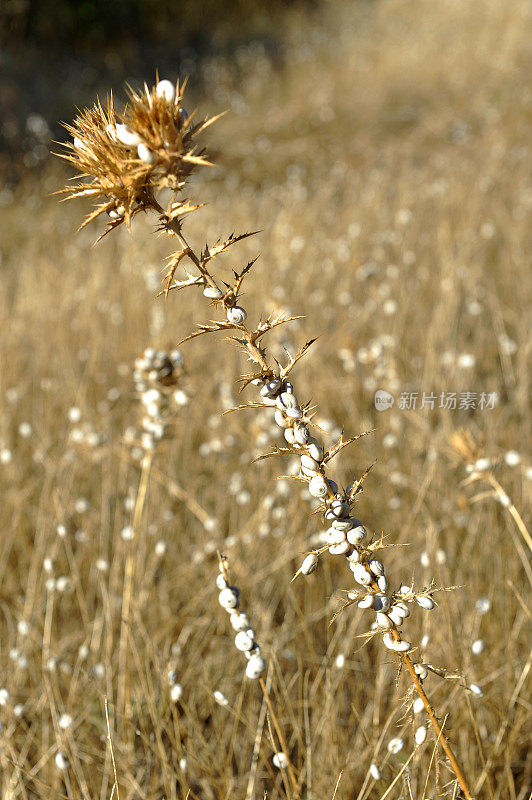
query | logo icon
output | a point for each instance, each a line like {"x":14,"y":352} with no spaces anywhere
{"x":383,"y":400}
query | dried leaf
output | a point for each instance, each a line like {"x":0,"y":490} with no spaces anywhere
{"x":173,"y":263}
{"x":242,"y":407}
{"x":220,"y":246}
{"x":292,"y":360}
{"x":356,"y":487}
{"x":333,"y":451}
{"x":278,"y":451}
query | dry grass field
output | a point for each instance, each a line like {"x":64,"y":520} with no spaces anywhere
{"x":387,"y":166}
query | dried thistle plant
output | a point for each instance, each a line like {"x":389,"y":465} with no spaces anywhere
{"x":125,"y":161}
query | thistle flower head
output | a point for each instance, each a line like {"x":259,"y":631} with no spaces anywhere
{"x":124,"y":159}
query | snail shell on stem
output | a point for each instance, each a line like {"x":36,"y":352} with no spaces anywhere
{"x":236,"y":315}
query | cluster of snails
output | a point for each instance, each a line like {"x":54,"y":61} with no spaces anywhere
{"x":346,"y":534}
{"x":229,"y":598}
{"x":155,"y":379}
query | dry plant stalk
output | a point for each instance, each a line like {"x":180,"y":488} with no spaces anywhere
{"x":125,"y":160}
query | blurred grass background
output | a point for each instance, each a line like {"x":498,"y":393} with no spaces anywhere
{"x":383,"y":150}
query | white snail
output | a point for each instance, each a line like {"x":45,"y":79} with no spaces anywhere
{"x":302,"y":434}
{"x":356,"y":535}
{"x":255,"y":666}
{"x":236,"y":315}
{"x":228,"y":598}
{"x":425,"y":602}
{"x":309,"y":564}
{"x":145,"y":154}
{"x":166,"y":89}
{"x":127,"y":136}
{"x":243,"y":641}
{"x":318,"y":486}
{"x":239,"y":622}
{"x":212,"y":293}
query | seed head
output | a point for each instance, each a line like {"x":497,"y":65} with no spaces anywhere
{"x":124,"y":159}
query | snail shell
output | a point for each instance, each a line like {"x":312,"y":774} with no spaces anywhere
{"x":212,"y":293}
{"x":79,"y":144}
{"x":382,"y":582}
{"x":111,"y":132}
{"x":402,"y":646}
{"x":308,"y":473}
{"x":318,"y":486}
{"x":315,"y":450}
{"x":361,"y":574}
{"x":176,"y":357}
{"x":117,"y":213}
{"x":271,"y":388}
{"x":309,"y":564}
{"x":425,"y":602}
{"x":402,"y":609}
{"x":281,"y":420}
{"x":302,"y":434}
{"x":239,"y":622}
{"x":166,"y":89}
{"x":145,"y":154}
{"x":343,"y":524}
{"x":221,"y":583}
{"x":127,"y":136}
{"x":243,"y":641}
{"x":396,"y":618}
{"x":294,"y":413}
{"x":356,"y":535}
{"x":339,"y":549}
{"x":383,"y":621}
{"x":151,"y":396}
{"x":255,"y":666}
{"x":339,"y":508}
{"x":332,"y":536}
{"x":286,"y":400}
{"x":376,"y":566}
{"x":309,"y":463}
{"x":391,"y":644}
{"x":420,"y":734}
{"x":289,"y":436}
{"x":228,"y":598}
{"x":280,"y":760}
{"x":353,"y":556}
{"x":382,"y":603}
{"x":366,"y":602}
{"x":236,"y":315}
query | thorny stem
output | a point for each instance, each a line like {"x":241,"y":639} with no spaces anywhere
{"x":435,"y":724}
{"x":418,"y":686}
{"x":175,"y":228}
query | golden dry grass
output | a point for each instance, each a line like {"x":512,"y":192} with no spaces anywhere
{"x":388,"y":166}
